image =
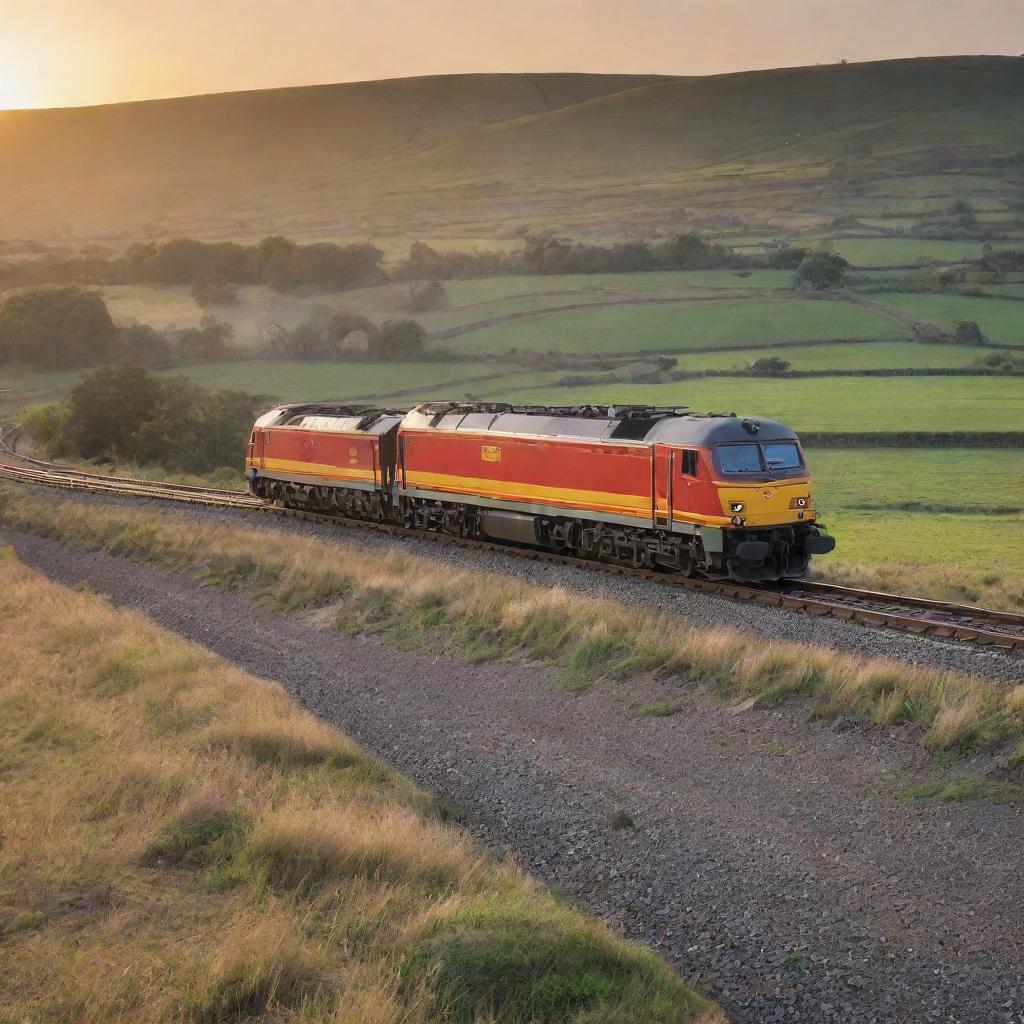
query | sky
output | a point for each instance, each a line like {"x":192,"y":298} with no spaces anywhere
{"x":78,"y":52}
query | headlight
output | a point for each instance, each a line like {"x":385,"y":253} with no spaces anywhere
{"x":800,"y":503}
{"x":736,"y":506}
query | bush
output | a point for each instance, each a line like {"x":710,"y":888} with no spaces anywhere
{"x":967,"y":332}
{"x":44,"y":423}
{"x":423,"y":296}
{"x":767,"y":366}
{"x":398,"y":339}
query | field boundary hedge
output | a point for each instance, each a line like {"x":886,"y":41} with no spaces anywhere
{"x":913,"y":439}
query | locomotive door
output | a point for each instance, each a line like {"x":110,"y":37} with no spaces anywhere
{"x":260,"y":454}
{"x":663,"y":470}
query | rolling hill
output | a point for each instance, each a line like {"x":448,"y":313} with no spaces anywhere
{"x":478,"y":156}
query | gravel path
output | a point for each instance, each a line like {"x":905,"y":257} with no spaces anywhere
{"x":699,"y":609}
{"x":772,"y":859}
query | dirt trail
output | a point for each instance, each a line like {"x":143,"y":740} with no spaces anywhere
{"x":774,"y":860}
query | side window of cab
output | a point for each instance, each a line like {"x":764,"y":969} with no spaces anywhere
{"x":688,"y":462}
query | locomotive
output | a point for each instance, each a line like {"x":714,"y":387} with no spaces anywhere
{"x":705,"y":494}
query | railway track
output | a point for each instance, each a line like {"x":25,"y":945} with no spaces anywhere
{"x":943,"y":619}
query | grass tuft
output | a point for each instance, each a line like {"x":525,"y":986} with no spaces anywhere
{"x":255,"y":971}
{"x":663,"y":709}
{"x":510,"y":959}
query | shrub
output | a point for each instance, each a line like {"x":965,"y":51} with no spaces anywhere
{"x":967,"y":332}
{"x":398,"y":339}
{"x":768,"y":366}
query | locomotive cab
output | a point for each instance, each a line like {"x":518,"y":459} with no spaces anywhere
{"x":764,"y":487}
{"x":743,"y":489}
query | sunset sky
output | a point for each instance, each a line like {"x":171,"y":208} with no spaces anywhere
{"x":74,"y":52}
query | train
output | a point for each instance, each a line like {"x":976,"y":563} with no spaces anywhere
{"x":701,"y":494}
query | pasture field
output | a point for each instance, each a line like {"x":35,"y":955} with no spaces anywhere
{"x":848,"y":404}
{"x":299,"y":381}
{"x":881,"y":355}
{"x":1007,"y":288}
{"x":903,"y":252}
{"x":671,"y":328}
{"x":954,"y":517}
{"x":183,"y":843}
{"x":1000,"y":320}
{"x":487,"y":289}
{"x":27,"y":387}
{"x":160,"y":306}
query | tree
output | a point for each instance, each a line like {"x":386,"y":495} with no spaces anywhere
{"x":398,"y":339}
{"x":206,"y":343}
{"x":821,"y":270}
{"x":788,"y":258}
{"x":55,"y":328}
{"x":689,"y":251}
{"x":106,"y":411}
{"x":140,"y":343}
{"x":194,"y":429}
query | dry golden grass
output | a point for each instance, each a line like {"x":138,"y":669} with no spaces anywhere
{"x":415,"y":602}
{"x":181,"y":843}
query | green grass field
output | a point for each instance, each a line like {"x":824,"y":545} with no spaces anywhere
{"x":489,"y":288}
{"x":955,"y":511}
{"x":903,"y":252}
{"x":668,"y":328}
{"x":885,"y":355}
{"x":295,"y":381}
{"x":1000,"y":320}
{"x":854,"y":404}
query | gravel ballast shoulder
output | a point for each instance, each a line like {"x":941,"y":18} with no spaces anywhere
{"x":773,"y":860}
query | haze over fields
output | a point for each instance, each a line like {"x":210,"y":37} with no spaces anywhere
{"x":482,"y":156}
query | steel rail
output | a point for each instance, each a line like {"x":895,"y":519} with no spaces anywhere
{"x":916,"y":615}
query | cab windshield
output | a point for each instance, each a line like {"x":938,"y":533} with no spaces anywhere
{"x":766,"y":459}
{"x":740,"y":458}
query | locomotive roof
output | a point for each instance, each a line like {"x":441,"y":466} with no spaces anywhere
{"x":333,"y":416}
{"x":648,"y":424}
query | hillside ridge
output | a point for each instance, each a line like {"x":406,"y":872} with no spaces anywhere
{"x":478,"y":155}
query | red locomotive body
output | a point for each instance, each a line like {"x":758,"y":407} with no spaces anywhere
{"x":649,"y":487}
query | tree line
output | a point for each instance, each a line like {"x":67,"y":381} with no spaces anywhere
{"x":215,"y":269}
{"x":211,"y":268}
